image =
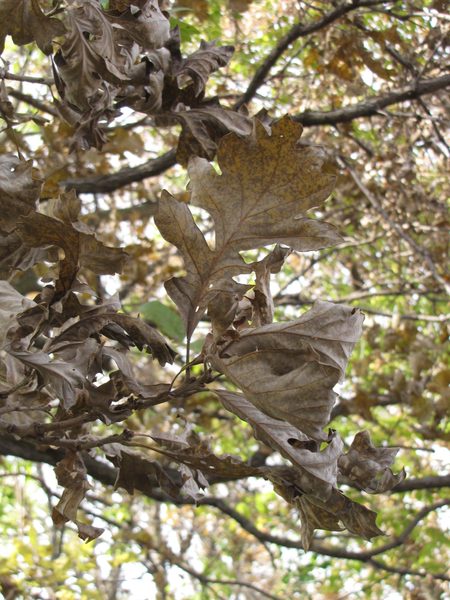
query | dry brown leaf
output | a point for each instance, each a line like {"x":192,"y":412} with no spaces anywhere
{"x":25,"y":22}
{"x":203,"y":127}
{"x":266,"y":185}
{"x":222,"y":308}
{"x":71,"y":474}
{"x":89,"y":59}
{"x":323,"y":513}
{"x":136,"y":471}
{"x":196,"y":454}
{"x":262,"y":303}
{"x":268,"y":182}
{"x":80,"y":245}
{"x":125,"y":380}
{"x":288,"y":370}
{"x":367,"y":467}
{"x":199,"y":65}
{"x":314,"y":517}
{"x":64,"y":379}
{"x":12,"y":303}
{"x":147,"y":26}
{"x":131,"y":331}
{"x":294,"y":445}
{"x":19,"y":190}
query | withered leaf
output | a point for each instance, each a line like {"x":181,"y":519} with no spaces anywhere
{"x":71,"y":474}
{"x":145,"y":91}
{"x":203,"y":127}
{"x":291,"y":443}
{"x":199,"y":65}
{"x":25,"y":22}
{"x":262,"y":302}
{"x":89,"y":58}
{"x":193,"y":482}
{"x":288,"y":370}
{"x":192,"y":293}
{"x":222,"y":308}
{"x":367,"y":467}
{"x":267,"y":182}
{"x":11,"y":304}
{"x":143,"y":22}
{"x":19,"y":190}
{"x":136,"y":471}
{"x":323,"y":513}
{"x":196,"y":454}
{"x":337,"y":511}
{"x":138,"y":333}
{"x":125,"y":380}
{"x":357,"y":518}
{"x":314,"y":517}
{"x":63,"y":378}
{"x":79,"y":242}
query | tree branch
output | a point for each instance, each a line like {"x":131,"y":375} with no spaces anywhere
{"x":423,"y":483}
{"x":108,"y":183}
{"x":372,"y":106}
{"x":107,"y":475}
{"x":32,"y":101}
{"x":101,"y":184}
{"x":300,"y":300}
{"x":296,"y":32}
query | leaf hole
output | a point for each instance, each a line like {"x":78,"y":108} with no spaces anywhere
{"x":310,"y":445}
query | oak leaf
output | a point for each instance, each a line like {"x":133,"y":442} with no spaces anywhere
{"x":81,"y":247}
{"x":199,"y":65}
{"x":25,"y":22}
{"x":367,"y":467}
{"x":288,"y":370}
{"x":262,"y":303}
{"x":19,"y":190}
{"x":293,"y":444}
{"x":130,"y":331}
{"x":89,"y":59}
{"x":71,"y":474}
{"x":267,"y":184}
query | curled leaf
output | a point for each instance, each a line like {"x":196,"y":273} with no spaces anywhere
{"x":288,"y":370}
{"x":367,"y":467}
{"x":80,"y":244}
{"x":71,"y":475}
{"x":25,"y":22}
{"x":294,"y":445}
{"x":199,"y":65}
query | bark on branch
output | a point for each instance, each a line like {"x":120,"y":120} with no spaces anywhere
{"x":106,"y":474}
{"x":102,"y":184}
{"x":371,"y":107}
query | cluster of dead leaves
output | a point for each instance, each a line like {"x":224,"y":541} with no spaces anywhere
{"x":55,"y":347}
{"x":126,"y":56}
{"x":58,"y":346}
{"x":286,"y":371}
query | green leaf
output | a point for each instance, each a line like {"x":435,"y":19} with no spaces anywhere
{"x":187,"y":31}
{"x":166,"y":319}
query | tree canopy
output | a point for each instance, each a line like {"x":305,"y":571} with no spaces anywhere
{"x":223,"y":296}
